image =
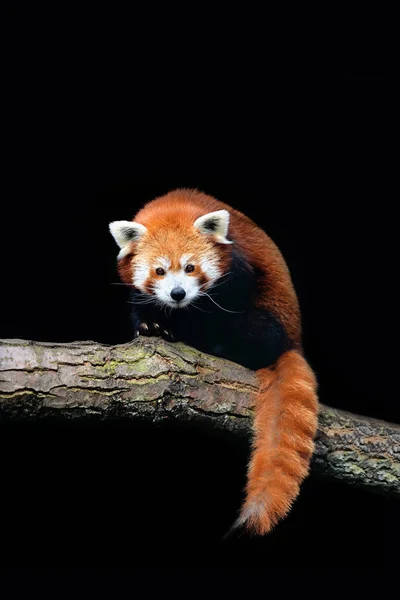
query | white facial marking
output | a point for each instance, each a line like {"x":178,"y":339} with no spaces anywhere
{"x":210,"y":267}
{"x":173,"y":279}
{"x":185,"y":259}
{"x":141,"y":272}
{"x":163,"y":262}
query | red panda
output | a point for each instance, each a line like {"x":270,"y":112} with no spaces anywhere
{"x":204,"y":273}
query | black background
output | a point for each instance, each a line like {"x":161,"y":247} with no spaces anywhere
{"x":306,"y":157}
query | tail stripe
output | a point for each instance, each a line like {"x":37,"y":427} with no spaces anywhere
{"x":284,"y":428}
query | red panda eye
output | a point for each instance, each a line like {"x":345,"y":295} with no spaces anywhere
{"x":189,"y":268}
{"x":160,"y":271}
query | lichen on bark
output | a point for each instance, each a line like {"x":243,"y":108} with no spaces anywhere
{"x":155,"y":380}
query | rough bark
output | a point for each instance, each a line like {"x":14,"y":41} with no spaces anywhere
{"x":155,"y":380}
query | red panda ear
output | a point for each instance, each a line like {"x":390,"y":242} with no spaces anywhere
{"x":215,"y":224}
{"x":125,"y":232}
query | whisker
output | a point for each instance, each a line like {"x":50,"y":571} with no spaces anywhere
{"x":225,"y":275}
{"x":224,"y":309}
{"x":221,"y":280}
{"x":198,"y":308}
{"x":142,"y":302}
{"x":118,"y":283}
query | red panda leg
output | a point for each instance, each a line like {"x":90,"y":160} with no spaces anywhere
{"x":284,"y":428}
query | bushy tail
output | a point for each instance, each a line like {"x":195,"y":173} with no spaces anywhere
{"x":285,"y":425}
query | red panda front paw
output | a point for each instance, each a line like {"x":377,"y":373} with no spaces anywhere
{"x":148,"y":329}
{"x":154,"y":329}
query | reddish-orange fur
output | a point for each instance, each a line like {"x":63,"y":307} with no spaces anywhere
{"x":276,"y":291}
{"x":285,"y":424}
{"x":286,"y":408}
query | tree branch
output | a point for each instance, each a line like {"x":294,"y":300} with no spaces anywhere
{"x":155,"y":380}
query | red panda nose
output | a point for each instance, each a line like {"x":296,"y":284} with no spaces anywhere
{"x":178,"y":294}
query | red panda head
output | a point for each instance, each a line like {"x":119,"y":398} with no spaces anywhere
{"x":173,"y":255}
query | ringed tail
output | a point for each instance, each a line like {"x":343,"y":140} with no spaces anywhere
{"x":285,"y":424}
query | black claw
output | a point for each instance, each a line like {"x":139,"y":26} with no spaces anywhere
{"x":154,"y":329}
{"x":167,"y":335}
